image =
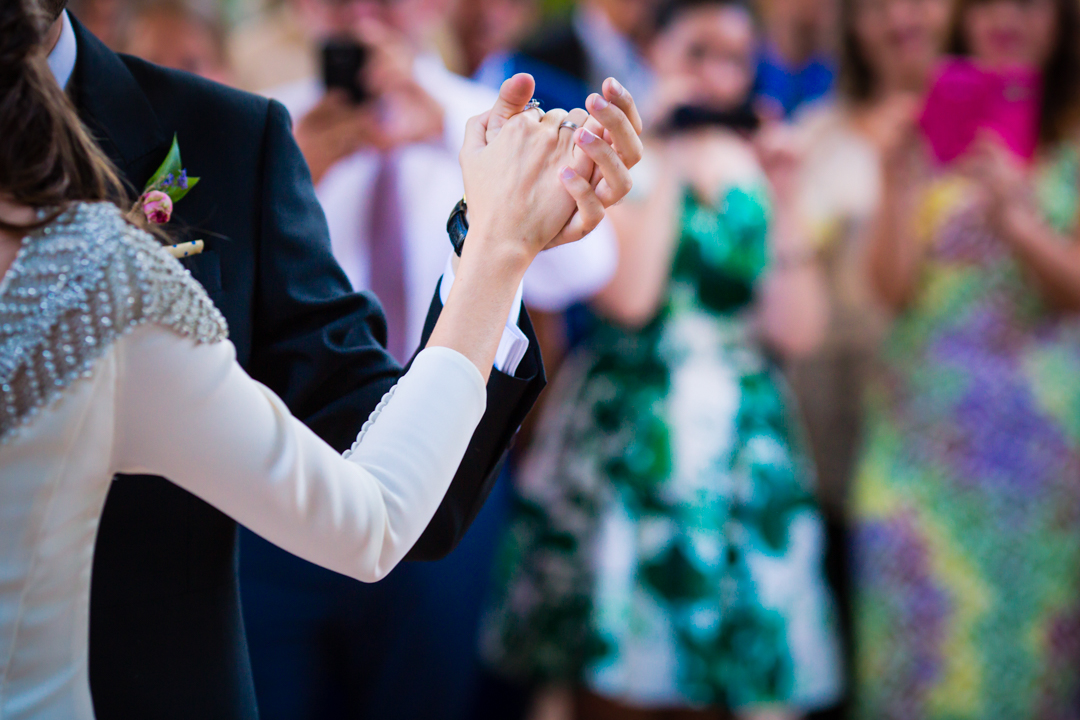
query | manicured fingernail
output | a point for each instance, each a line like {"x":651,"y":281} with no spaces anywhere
{"x":617,"y":87}
{"x":599,"y":102}
{"x":566,"y":173}
{"x":585,"y":137}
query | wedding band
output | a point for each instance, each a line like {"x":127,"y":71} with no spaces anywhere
{"x":568,"y":124}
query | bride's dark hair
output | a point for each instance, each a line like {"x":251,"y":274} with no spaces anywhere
{"x":47,"y":159}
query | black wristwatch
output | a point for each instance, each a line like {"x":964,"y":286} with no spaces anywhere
{"x":458,"y":226}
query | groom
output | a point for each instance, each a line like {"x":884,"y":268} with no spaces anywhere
{"x":166,"y":635}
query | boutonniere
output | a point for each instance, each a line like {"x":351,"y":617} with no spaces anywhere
{"x":165,"y":188}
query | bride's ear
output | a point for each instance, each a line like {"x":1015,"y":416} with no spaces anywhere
{"x":514,"y":95}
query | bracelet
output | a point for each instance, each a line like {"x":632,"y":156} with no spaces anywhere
{"x":457,"y":227}
{"x":794,"y":260}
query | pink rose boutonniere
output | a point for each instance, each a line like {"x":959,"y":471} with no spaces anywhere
{"x":157,"y":206}
{"x":165,"y":188}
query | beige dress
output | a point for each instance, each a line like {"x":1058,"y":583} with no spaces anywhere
{"x":840,"y":188}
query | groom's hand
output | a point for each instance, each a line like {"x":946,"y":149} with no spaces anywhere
{"x":611,"y":139}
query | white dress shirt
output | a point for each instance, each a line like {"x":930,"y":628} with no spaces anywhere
{"x":62,"y":57}
{"x":430,"y":183}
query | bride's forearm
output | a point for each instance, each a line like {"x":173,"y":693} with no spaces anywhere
{"x":482,"y":297}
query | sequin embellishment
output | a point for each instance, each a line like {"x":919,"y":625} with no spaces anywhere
{"x":76,"y":286}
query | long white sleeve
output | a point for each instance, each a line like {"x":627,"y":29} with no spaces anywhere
{"x":189,"y":413}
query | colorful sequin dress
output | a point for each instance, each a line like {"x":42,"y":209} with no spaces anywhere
{"x":967,"y":497}
{"x":667,"y":548}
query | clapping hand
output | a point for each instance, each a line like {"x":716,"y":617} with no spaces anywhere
{"x":1003,"y":180}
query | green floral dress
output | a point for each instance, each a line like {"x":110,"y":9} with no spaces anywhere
{"x":666,"y":549}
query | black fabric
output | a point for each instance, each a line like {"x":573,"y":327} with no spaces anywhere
{"x":557,"y":44}
{"x":488,"y":451}
{"x":166,"y":638}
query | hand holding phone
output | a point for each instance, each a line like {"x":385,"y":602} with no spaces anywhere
{"x":343,"y":62}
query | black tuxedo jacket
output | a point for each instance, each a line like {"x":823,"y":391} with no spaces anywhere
{"x":166,"y":635}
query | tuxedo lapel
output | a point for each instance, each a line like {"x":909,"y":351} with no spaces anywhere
{"x":115,"y":109}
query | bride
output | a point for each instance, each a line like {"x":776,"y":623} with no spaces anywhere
{"x":114,"y":360}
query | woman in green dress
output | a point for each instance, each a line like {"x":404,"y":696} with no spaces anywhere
{"x":966,"y":500}
{"x":665,"y":558}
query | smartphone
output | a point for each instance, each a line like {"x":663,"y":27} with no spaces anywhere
{"x":343,"y":61}
{"x":691,"y":117}
{"x":965,"y":99}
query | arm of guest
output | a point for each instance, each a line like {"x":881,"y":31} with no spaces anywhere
{"x":1052,"y":259}
{"x":646,"y":225}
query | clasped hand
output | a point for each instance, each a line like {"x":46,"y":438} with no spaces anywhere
{"x":532,"y":184}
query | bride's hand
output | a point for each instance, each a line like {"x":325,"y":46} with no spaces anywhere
{"x":615,"y":119}
{"x":524,"y":186}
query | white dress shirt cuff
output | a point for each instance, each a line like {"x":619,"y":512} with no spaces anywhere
{"x":514,"y":343}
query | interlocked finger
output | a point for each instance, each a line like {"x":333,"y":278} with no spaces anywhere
{"x":552,"y":118}
{"x":587,"y":215}
{"x":575,"y":119}
{"x":615,"y":182}
{"x":624,"y":135}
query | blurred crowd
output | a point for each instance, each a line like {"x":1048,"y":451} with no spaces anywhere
{"x":812,"y":442}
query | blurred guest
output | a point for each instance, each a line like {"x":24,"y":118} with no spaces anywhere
{"x":796,"y":65}
{"x":489,"y":30}
{"x":665,"y":558}
{"x":274,"y":48}
{"x":103,"y":18}
{"x":889,"y":50}
{"x":172,"y":34}
{"x":571,"y":56}
{"x":967,"y":495}
{"x":404,"y":648}
{"x":282,"y":45}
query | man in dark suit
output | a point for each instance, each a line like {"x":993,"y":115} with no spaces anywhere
{"x":166,"y":635}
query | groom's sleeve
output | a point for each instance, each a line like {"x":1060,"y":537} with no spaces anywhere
{"x":317,"y":344}
{"x":509,"y":399}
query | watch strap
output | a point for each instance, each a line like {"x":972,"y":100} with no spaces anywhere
{"x":458,"y":226}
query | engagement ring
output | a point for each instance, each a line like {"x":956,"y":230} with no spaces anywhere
{"x":534,"y":104}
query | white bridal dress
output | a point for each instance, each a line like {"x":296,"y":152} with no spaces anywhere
{"x":114,"y":360}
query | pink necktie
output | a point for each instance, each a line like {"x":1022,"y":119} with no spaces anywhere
{"x":386,"y":240}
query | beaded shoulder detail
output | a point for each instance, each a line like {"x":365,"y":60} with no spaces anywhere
{"x":76,"y":286}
